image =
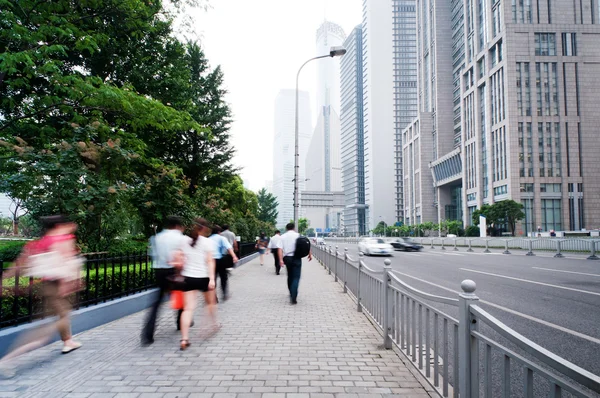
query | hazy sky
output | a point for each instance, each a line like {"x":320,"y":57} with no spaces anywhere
{"x":260,"y":44}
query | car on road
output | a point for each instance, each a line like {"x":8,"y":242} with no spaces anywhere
{"x":320,"y":241}
{"x":375,"y":246}
{"x":406,"y":244}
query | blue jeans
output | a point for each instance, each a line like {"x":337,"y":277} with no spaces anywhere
{"x":294,"y":269}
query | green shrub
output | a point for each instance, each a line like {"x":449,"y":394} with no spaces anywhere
{"x":10,"y":249}
{"x":129,"y":245}
{"x":472,"y":231}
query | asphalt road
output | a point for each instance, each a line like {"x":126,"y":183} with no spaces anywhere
{"x":554,"y":302}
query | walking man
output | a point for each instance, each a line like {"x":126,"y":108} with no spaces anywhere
{"x":287,"y":250}
{"x":222,"y":247}
{"x":230,"y":236}
{"x":273,"y":242}
{"x":164,"y":245}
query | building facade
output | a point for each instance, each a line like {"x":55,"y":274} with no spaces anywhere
{"x":378,"y":112}
{"x":405,"y":85}
{"x":352,"y":139}
{"x":322,"y":163}
{"x":284,"y":147}
{"x":525,"y":74}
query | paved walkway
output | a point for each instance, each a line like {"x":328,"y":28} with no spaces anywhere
{"x":267,"y":348}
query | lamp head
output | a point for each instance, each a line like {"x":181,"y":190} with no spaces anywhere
{"x":337,"y":51}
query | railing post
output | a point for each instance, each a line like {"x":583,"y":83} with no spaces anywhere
{"x":345,"y":265}
{"x":432,"y":244}
{"x":358,"y":297}
{"x":558,"y":253}
{"x":443,"y":248}
{"x":336,"y":261}
{"x":487,"y":248}
{"x":506,"y":247}
{"x":329,"y":261}
{"x":593,"y":247}
{"x":455,"y":248}
{"x":387,"y":280}
{"x":530,"y":247}
{"x":470,"y":250}
{"x":468,"y":348}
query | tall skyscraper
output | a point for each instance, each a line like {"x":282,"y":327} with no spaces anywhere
{"x":378,"y":99}
{"x":405,"y":84}
{"x":519,"y":81}
{"x":284,"y":147}
{"x":353,"y":140}
{"x":323,"y":164}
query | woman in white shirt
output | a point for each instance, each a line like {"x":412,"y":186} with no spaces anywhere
{"x":199,"y":275}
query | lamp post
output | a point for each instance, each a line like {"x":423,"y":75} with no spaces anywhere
{"x":334,"y":52}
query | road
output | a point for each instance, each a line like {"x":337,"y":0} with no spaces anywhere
{"x":555,"y":302}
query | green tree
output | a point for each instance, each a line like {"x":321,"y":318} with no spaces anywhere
{"x":267,"y":207}
{"x":303,"y":225}
{"x":484,"y":210}
{"x":508,"y":211}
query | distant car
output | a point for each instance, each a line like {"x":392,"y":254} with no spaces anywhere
{"x":375,"y":246}
{"x":406,"y":244}
{"x":320,"y":241}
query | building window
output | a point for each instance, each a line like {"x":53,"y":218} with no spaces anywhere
{"x":545,"y":44}
{"x":496,"y":19}
{"x":551,"y":214}
{"x":528,"y":210}
{"x":503,"y":190}
{"x":471,"y":197}
{"x":526,"y":188}
{"x":523,"y":89}
{"x":538,"y":87}
{"x":521,"y":151}
{"x":569,"y":44}
{"x":529,"y":150}
{"x":551,"y":188}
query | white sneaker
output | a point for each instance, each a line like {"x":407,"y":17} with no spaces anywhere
{"x":71,"y":347}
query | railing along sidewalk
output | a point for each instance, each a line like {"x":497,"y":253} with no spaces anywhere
{"x":459,"y":356}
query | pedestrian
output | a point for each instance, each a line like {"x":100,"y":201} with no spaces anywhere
{"x":293,"y":263}
{"x":262,"y":244}
{"x":222,"y":247}
{"x":273,"y":242}
{"x":198,"y":270}
{"x":164,"y":245}
{"x":230,"y":236}
{"x":55,"y":259}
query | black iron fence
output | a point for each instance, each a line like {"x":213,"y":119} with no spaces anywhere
{"x":106,"y":277}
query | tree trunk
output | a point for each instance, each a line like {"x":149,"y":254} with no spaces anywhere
{"x":15,"y":227}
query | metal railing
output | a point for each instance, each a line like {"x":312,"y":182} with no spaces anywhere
{"x":106,"y":277}
{"x":469,"y":356}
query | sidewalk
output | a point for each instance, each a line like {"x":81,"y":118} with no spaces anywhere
{"x":267,"y":348}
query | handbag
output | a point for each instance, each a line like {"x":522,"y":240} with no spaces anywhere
{"x":177,"y":302}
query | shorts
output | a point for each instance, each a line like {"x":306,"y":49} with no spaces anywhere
{"x":262,"y":251}
{"x":196,"y":284}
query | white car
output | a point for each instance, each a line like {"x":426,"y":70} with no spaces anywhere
{"x":320,"y":241}
{"x":375,"y":246}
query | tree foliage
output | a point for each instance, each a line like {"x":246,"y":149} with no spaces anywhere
{"x":506,"y":211}
{"x":267,"y":207}
{"x":106,"y":116}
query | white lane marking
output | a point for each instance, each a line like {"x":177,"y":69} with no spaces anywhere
{"x":566,"y":272}
{"x":533,"y":282}
{"x":529,"y":317}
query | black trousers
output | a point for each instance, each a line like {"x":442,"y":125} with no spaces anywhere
{"x":277,"y":263}
{"x":221,"y":272}
{"x":294,"y":271}
{"x":162,"y":281}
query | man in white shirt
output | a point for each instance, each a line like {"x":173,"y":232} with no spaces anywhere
{"x":164,"y":245}
{"x":286,"y":249}
{"x":230,"y":236}
{"x":273,"y":242}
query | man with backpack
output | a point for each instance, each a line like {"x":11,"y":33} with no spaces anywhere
{"x":291,"y":249}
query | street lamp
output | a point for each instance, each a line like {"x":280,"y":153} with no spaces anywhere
{"x":384,"y":227}
{"x":334,"y":52}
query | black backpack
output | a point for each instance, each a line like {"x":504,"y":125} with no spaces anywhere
{"x":302,"y":247}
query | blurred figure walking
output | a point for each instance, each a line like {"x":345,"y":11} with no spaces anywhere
{"x":230,"y":236}
{"x":273,"y":243}
{"x":199,"y":275}
{"x":54,"y":258}
{"x":262,"y":244}
{"x":222,"y":249}
{"x":164,"y":245}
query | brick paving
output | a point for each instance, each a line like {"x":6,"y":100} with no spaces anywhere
{"x":266,"y":348}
